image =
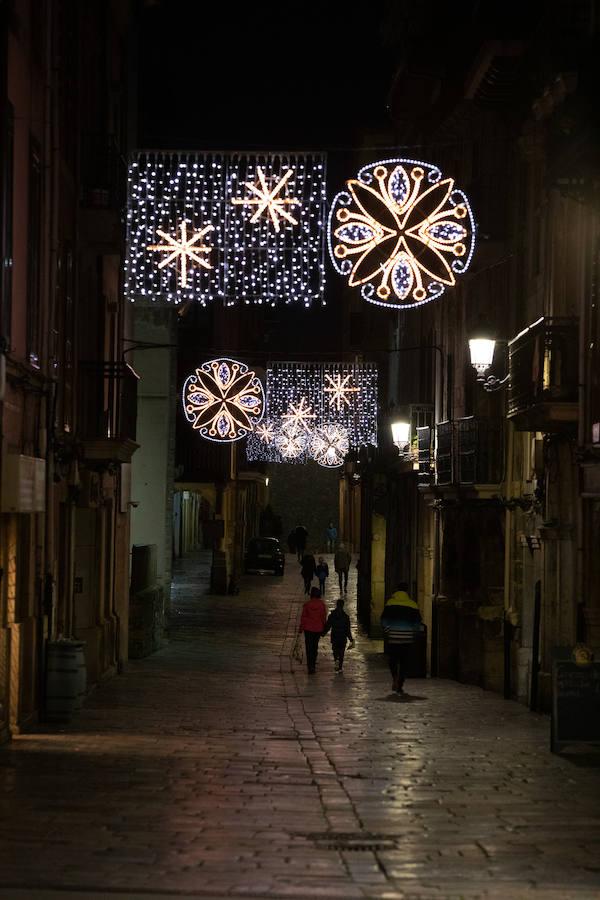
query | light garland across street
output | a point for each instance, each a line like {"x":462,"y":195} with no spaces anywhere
{"x":229,"y":227}
{"x":318,"y":411}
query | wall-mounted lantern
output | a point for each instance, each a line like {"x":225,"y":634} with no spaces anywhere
{"x":481,"y":350}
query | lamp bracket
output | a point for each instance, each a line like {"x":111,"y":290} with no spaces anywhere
{"x":491,"y":383}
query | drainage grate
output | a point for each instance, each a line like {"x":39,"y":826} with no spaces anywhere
{"x":357,"y":842}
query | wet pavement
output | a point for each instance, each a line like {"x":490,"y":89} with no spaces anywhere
{"x":219,"y":768}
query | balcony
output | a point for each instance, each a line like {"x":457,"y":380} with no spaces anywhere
{"x":445,"y":454}
{"x":425,"y":456}
{"x":107,"y":411}
{"x":543,"y":367}
{"x":480,"y":451}
{"x":469,"y":453}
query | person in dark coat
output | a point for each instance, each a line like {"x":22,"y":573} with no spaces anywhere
{"x":338,"y":622}
{"x":312,"y":623}
{"x":322,"y":573}
{"x":401,"y":623}
{"x":301,"y":535}
{"x":307,"y":570}
{"x":341,"y":564}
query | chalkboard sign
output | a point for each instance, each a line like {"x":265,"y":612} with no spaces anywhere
{"x":575,"y":704}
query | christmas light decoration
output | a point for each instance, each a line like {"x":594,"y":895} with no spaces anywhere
{"x":265,"y":214}
{"x":299,"y":415}
{"x":186,"y":247}
{"x":292,"y":441}
{"x":308,"y":397}
{"x":329,"y":445}
{"x":266,"y":199}
{"x":401,"y":233}
{"x":265,"y":432}
{"x":338,"y":389}
{"x":223,"y":400}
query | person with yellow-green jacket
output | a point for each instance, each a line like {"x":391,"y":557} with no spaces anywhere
{"x":401,"y":623}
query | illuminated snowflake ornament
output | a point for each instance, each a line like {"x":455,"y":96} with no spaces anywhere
{"x":292,"y":441}
{"x":401,"y":233}
{"x":270,"y":200}
{"x":265,"y":432}
{"x":338,"y":387}
{"x":183,"y":251}
{"x":329,"y":445}
{"x":299,"y":415}
{"x":223,"y":400}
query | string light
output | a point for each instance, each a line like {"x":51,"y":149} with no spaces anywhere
{"x":292,"y":441}
{"x":401,"y":233}
{"x":275,"y":254}
{"x":223,"y":400}
{"x":298,"y":386}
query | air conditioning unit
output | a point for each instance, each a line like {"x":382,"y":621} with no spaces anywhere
{"x":23,"y":484}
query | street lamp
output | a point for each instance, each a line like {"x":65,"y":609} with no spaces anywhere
{"x":401,"y":435}
{"x":481,"y":350}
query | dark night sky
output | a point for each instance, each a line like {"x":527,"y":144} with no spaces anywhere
{"x":262,"y":75}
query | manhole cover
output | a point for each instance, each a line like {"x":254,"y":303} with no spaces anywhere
{"x":357,"y":842}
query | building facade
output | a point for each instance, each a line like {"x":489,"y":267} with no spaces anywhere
{"x":68,"y":407}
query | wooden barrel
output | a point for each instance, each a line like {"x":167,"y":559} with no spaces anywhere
{"x":66,"y":678}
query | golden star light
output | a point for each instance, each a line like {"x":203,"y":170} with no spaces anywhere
{"x":266,"y":198}
{"x":401,"y":233}
{"x":338,"y":390}
{"x":181,"y":250}
{"x":299,"y":414}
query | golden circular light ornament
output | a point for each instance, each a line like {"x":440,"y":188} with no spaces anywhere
{"x":329,"y":446}
{"x":401,"y":233}
{"x":224,"y":400}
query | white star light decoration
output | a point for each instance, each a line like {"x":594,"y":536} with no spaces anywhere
{"x":265,"y":432}
{"x":223,"y":400}
{"x":183,"y":249}
{"x":267,"y":199}
{"x":299,"y":415}
{"x":266,"y":216}
{"x":401,"y":233}
{"x":338,"y":389}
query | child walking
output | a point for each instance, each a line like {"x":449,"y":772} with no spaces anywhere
{"x":322,"y":572}
{"x":338,"y":622}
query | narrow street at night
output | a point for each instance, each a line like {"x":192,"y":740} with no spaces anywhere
{"x":218,"y":768}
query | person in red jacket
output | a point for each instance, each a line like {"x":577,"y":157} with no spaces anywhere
{"x":312,"y":623}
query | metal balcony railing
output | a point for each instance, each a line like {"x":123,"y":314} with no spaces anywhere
{"x":107,"y":401}
{"x":425,"y":455}
{"x":543,"y":366}
{"x":480,"y":450}
{"x":444,"y":457}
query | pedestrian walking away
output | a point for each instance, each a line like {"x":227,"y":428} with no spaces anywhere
{"x":338,"y":622}
{"x":331,"y":535}
{"x":322,"y":573}
{"x":312,"y":623}
{"x":341,"y":564}
{"x":401,"y":623}
{"x":307,"y":570}
{"x":301,"y":535}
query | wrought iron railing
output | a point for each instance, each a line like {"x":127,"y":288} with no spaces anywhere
{"x":543,"y":365}
{"x":444,"y":456}
{"x":425,"y":455}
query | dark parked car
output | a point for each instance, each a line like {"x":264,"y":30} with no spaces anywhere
{"x":264,"y":554}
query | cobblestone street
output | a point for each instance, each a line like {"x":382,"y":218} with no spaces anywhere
{"x":217,"y":768}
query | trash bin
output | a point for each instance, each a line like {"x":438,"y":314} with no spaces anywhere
{"x":66,"y":679}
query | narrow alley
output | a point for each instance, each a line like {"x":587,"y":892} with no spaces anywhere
{"x":216,"y":768}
